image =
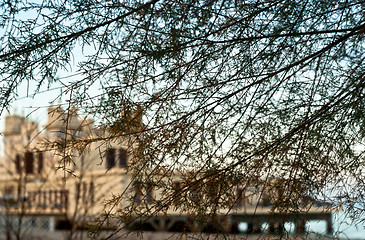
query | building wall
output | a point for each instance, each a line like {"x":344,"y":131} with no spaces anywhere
{"x":70,"y":180}
{"x":78,"y":175}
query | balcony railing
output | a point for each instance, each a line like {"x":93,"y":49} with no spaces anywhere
{"x":39,"y":201}
{"x":46,"y":199}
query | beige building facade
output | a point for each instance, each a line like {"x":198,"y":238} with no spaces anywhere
{"x":45,"y":172}
{"x":68,"y":171}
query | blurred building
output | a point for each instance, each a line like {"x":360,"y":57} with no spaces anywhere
{"x":57,"y":171}
{"x":67,"y":172}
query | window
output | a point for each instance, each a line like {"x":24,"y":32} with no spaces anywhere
{"x":265,"y":200}
{"x":110,"y":158}
{"x":137,"y":193}
{"x":29,"y":160}
{"x":149,"y":193}
{"x":112,"y":154}
{"x":91,"y":192}
{"x":9,"y":190}
{"x":84,"y":192}
{"x":40,"y":162}
{"x":78,"y":191}
{"x":212,"y":192}
{"x":123,"y":157}
{"x":195,"y":194}
{"x":239,"y":197}
{"x":28,"y":164}
{"x":17,"y":163}
{"x":177,"y":192}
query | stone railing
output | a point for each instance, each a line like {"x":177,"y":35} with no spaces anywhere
{"x":46,"y":200}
